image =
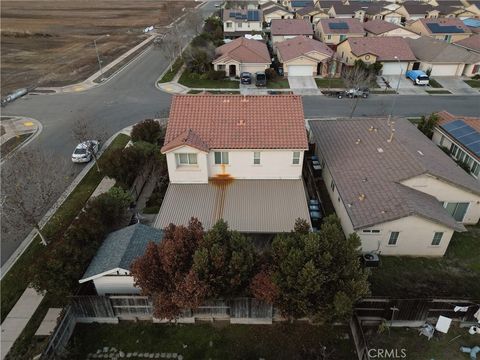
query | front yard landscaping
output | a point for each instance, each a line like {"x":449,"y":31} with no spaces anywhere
{"x":434,"y":84}
{"x":215,"y":341}
{"x":194,"y":80}
{"x":170,"y":74}
{"x":416,"y":347}
{"x":335,"y":83}
{"x":454,"y":275}
{"x":473,"y":83}
{"x":438,"y":92}
{"x":281,"y":83}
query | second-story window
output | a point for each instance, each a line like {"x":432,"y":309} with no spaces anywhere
{"x":229,"y":24}
{"x":239,"y":25}
{"x":296,"y":158}
{"x":256,"y":158}
{"x":186,"y":159}
{"x":221,"y":157}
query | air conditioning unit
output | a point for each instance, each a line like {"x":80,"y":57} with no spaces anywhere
{"x":371,"y":260}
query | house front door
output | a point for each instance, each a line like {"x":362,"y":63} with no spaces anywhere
{"x":232,"y":70}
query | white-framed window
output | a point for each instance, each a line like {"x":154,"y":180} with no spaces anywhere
{"x":256,"y":158}
{"x":393,"y":238}
{"x":229,"y":24}
{"x":437,"y":238}
{"x":239,"y":25}
{"x":221,"y":157}
{"x":184,"y":159}
{"x":329,"y":37}
{"x":221,"y":67}
{"x":457,"y":210}
{"x":296,"y":158}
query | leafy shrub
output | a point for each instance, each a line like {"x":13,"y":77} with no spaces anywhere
{"x":271,"y":74}
{"x":216,"y":74}
{"x":148,"y":130}
{"x":476,"y":77}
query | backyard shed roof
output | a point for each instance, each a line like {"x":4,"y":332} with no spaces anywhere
{"x":120,"y":249}
{"x":254,"y":206}
{"x":362,"y":161}
{"x":237,"y":122}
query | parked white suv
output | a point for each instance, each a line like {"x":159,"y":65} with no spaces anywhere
{"x":84,"y":151}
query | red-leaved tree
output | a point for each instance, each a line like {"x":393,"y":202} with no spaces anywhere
{"x":263,"y":288}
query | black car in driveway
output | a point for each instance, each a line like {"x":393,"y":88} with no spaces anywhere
{"x":260,"y":79}
{"x":245,"y":78}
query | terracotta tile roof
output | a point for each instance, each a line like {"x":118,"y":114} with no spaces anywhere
{"x":379,"y":26}
{"x":446,"y":117}
{"x":385,"y":48}
{"x":354,"y":26}
{"x":301,"y":45}
{"x":291,"y":27}
{"x":447,"y":22}
{"x":188,"y":137}
{"x":472,"y":43}
{"x":244,"y":51}
{"x":238,"y":122}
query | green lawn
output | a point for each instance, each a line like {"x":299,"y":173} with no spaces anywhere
{"x":186,"y":79}
{"x":434,"y":92}
{"x":473,"y":83}
{"x":383,"y":91}
{"x":170,"y":74}
{"x":281,"y":83}
{"x":218,"y":341}
{"x":330,"y":83}
{"x":440,"y":347}
{"x":17,"y":279}
{"x":434,"y":84}
{"x":454,"y":275}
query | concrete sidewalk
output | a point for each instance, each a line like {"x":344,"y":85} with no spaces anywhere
{"x":16,"y":126}
{"x":18,"y":318}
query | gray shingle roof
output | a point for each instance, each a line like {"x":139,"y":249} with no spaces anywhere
{"x":363,"y":169}
{"x":428,"y":49}
{"x":121,"y":247}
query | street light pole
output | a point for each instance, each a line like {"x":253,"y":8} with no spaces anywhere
{"x":96,"y":51}
{"x":396,"y":91}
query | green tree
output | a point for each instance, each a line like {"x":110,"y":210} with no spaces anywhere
{"x":318,"y":275}
{"x":225,"y":261}
{"x":427,"y":124}
{"x":149,"y":131}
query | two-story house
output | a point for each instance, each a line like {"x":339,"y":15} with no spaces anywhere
{"x":285,"y":29}
{"x":237,"y":158}
{"x":449,"y":30}
{"x":334,"y":31}
{"x":238,"y":22}
{"x":394,"y":187}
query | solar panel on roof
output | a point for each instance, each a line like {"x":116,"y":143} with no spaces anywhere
{"x":442,"y":29}
{"x":338,"y":26}
{"x":253,"y":15}
{"x":464,"y":134}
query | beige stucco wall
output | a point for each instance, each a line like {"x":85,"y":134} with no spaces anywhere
{"x":456,"y":69}
{"x":188,"y":173}
{"x":278,"y":15}
{"x":345,"y":53}
{"x":242,"y":26}
{"x":419,"y":28}
{"x":334,"y":38}
{"x":446,"y":192}
{"x":239,"y":67}
{"x":280,"y":38}
{"x":468,"y":70}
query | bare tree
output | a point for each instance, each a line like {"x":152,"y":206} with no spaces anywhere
{"x":83,"y":131}
{"x":31,"y":181}
{"x":195,"y":21}
{"x":357,"y":77}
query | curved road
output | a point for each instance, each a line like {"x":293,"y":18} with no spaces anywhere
{"x":131,"y":96}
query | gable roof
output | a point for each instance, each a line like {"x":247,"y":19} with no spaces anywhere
{"x":301,"y":45}
{"x":274,"y":9}
{"x":342,"y":9}
{"x":239,"y":122}
{"x":187,"y":138}
{"x":244,"y":50}
{"x":379,"y":26}
{"x":349,"y":26}
{"x":417,"y":8}
{"x":359,"y":167}
{"x":428,"y":49}
{"x":385,"y":48}
{"x":120,"y":249}
{"x":445,"y":26}
{"x":471,"y":43}
{"x":291,"y":27}
{"x":242,"y":15}
{"x":308,"y":9}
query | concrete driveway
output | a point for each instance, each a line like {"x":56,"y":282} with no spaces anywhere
{"x":406,"y":86}
{"x":456,"y":85}
{"x":303,"y":85}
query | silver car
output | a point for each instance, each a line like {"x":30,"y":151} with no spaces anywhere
{"x":85,"y":151}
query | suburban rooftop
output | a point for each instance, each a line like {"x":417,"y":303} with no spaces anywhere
{"x":291,"y":27}
{"x":385,"y":48}
{"x":301,"y":46}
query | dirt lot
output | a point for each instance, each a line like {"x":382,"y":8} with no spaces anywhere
{"x":50,"y":43}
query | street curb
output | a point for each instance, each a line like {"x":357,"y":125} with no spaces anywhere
{"x":26,"y":142}
{"x":51,"y":212}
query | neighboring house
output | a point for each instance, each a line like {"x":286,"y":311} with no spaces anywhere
{"x":295,"y":5}
{"x":414,"y":10}
{"x":238,"y":22}
{"x":443,"y":59}
{"x":394,"y":187}
{"x":385,"y":12}
{"x":276,"y":12}
{"x":473,"y":25}
{"x":384,"y":28}
{"x":312,"y":14}
{"x":334,"y":31}
{"x":237,"y":158}
{"x":302,"y":56}
{"x":242,"y":55}
{"x":356,"y":10}
{"x":110,"y":268}
{"x":282,"y":30}
{"x":460,"y":135}
{"x":449,"y":30}
{"x":460,"y":12}
{"x":472,"y":43}
{"x":392,"y":52}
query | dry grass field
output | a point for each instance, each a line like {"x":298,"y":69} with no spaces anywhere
{"x":50,"y":42}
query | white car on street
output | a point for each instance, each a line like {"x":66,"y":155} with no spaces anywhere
{"x":84,"y":151}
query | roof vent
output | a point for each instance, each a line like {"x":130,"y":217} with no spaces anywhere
{"x":380,"y":150}
{"x":421,"y":153}
{"x":372,"y":128}
{"x":226,"y":100}
{"x":364,"y":179}
{"x":241,"y":123}
{"x":358,"y":141}
{"x":361,"y":197}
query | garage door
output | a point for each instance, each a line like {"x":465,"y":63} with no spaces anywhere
{"x":300,"y":70}
{"x":444,"y":70}
{"x":394,"y":68}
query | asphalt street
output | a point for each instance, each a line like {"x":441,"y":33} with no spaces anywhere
{"x":131,"y":96}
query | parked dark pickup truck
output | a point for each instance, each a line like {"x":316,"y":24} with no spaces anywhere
{"x":350,"y":93}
